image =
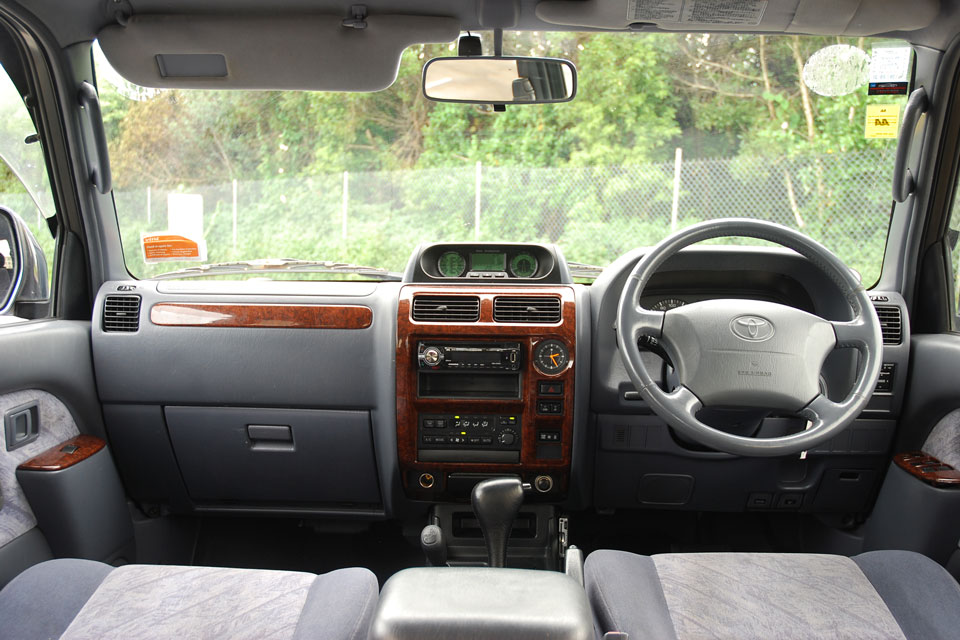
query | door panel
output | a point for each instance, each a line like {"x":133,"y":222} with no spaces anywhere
{"x":911,"y":513}
{"x":932,"y":389}
{"x":54,"y":425}
{"x":46,"y":365}
{"x":54,"y":356}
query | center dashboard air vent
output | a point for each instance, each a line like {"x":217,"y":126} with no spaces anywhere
{"x":121,"y":314}
{"x":891,"y":323}
{"x":528,"y":309}
{"x":446,"y":308}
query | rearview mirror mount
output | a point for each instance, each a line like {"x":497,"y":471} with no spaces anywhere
{"x":499,"y":80}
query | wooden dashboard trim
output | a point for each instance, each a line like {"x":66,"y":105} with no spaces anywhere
{"x":928,"y":469}
{"x":409,"y":405}
{"x":261,"y":316}
{"x":56,"y":459}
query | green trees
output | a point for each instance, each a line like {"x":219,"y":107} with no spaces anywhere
{"x":595,"y":174}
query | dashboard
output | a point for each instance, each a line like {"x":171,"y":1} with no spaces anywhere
{"x":367,"y":399}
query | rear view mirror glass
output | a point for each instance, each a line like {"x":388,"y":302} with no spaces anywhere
{"x":499,"y":80}
{"x":23,"y":267}
{"x":8,"y":260}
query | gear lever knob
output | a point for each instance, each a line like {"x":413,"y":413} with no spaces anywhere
{"x":433,"y":545}
{"x":496,"y":502}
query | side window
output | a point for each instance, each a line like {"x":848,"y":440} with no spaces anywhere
{"x":26,"y":202}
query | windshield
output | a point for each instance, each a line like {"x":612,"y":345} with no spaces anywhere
{"x":666,"y":130}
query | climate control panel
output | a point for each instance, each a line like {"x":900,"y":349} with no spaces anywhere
{"x":469,"y":437}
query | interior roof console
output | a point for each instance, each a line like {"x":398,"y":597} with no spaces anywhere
{"x":488,"y":263}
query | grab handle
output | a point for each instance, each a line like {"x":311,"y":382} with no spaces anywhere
{"x":100,"y":173}
{"x":903,"y":181}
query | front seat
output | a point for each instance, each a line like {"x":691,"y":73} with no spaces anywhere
{"x":69,"y":598}
{"x":879,"y":594}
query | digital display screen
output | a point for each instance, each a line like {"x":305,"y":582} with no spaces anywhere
{"x":476,"y":357}
{"x":488,"y":261}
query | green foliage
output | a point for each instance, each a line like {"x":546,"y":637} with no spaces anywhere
{"x":594,"y":175}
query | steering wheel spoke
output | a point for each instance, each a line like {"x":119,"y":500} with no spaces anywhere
{"x":643,"y":322}
{"x":850,"y":334}
{"x":824,"y":411}
{"x":684,"y":400}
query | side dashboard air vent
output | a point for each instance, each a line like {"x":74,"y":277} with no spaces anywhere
{"x":121,"y":313}
{"x":446,"y":308}
{"x":891,"y":323}
{"x":539,"y":309}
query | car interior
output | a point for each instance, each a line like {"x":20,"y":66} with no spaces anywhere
{"x":658,"y":337}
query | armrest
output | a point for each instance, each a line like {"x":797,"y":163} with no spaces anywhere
{"x":481,"y":602}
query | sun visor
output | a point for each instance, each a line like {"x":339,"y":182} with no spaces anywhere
{"x":833,"y":17}
{"x":309,"y":52}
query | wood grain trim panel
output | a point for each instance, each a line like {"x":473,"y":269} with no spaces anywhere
{"x":261,"y":316}
{"x":409,"y":405}
{"x":56,"y":459}
{"x":928,"y":469}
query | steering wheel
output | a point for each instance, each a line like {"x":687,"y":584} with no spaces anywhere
{"x":749,"y":353}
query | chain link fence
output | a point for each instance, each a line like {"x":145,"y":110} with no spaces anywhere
{"x":594,"y":213}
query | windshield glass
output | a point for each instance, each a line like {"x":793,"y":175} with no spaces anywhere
{"x":666,"y":130}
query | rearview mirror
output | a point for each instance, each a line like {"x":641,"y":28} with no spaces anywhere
{"x":499,"y":80}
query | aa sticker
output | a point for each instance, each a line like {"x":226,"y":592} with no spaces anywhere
{"x":165,"y":247}
{"x":882,"y":120}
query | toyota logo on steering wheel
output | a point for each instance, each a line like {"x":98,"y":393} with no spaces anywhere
{"x":752,"y":328}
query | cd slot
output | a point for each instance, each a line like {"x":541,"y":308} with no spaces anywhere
{"x":447,"y":384}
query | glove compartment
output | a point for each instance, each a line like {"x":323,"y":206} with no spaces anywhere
{"x":234,"y":456}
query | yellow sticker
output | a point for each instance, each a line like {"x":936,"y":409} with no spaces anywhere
{"x":882,"y":121}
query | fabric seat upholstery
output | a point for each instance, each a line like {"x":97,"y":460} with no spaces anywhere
{"x":880,"y":594}
{"x":74,"y":599}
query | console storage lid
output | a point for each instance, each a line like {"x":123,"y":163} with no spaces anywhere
{"x":481,"y":602}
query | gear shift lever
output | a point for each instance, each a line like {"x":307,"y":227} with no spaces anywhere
{"x":496,"y":502}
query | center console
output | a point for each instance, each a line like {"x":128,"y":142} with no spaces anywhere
{"x":485,"y":387}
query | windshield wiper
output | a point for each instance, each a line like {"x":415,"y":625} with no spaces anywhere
{"x":290,"y":265}
{"x":583,"y":270}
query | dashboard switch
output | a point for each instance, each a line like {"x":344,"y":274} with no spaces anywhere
{"x":550,"y":407}
{"x":550,"y":388}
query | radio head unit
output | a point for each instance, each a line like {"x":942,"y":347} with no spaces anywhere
{"x":473,"y":356}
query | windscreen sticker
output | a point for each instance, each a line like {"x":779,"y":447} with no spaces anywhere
{"x":168,"y":247}
{"x":889,"y":71}
{"x":719,"y":12}
{"x":882,"y":121}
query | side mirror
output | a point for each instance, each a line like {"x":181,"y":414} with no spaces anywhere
{"x":499,"y":80}
{"x":24,"y":285}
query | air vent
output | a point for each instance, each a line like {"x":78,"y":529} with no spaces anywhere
{"x":446,"y":308}
{"x":539,"y":309}
{"x":891,"y":323}
{"x":121,"y":313}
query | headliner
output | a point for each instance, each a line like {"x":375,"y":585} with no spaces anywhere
{"x":74,"y":21}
